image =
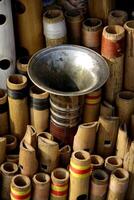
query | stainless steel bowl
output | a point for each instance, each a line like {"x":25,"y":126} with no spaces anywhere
{"x":68,"y":70}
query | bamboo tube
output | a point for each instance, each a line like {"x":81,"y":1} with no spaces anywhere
{"x":112,"y":49}
{"x":2,"y":149}
{"x":129,"y":56}
{"x":74,"y":20}
{"x":125,"y":106}
{"x":96,"y":162}
{"x":48,"y":152}
{"x":39,"y":108}
{"x":65,"y":154}
{"x":132,"y":127}
{"x":27,"y":159}
{"x":92,"y":106}
{"x":107,"y":109}
{"x":18,"y":108}
{"x":11,"y":143}
{"x":30,"y":136}
{"x":107,"y":135}
{"x":122,"y":143}
{"x":112,"y":163}
{"x":13,"y":158}
{"x":8,"y":170}
{"x":59,"y":185}
{"x":80,"y":169}
{"x":22,"y":65}
{"x":118,"y":184}
{"x":85,"y":137}
{"x":91,"y":33}
{"x":54,"y":27}
{"x":46,"y":135}
{"x":29,"y":19}
{"x":99,"y":184}
{"x":41,"y":186}
{"x":4,"y":125}
{"x":117,"y":17}
{"x":20,"y":188}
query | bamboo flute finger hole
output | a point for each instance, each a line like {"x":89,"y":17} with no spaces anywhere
{"x":19,"y":7}
{"x":82,"y":197}
{"x":2,"y":19}
{"x":4,"y":64}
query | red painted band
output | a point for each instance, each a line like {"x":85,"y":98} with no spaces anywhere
{"x":21,"y":197}
{"x":93,"y":97}
{"x":59,"y":185}
{"x":58,"y":193}
{"x":77,"y":171}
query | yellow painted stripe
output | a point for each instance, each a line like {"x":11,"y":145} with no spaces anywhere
{"x":80,"y":175}
{"x":55,"y":196}
{"x":93,"y":101}
{"x":79,"y":167}
{"x":20,"y":192}
{"x":57,"y":188}
{"x":12,"y":198}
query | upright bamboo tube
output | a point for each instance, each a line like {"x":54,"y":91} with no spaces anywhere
{"x":59,"y":185}
{"x":30,"y":136}
{"x":41,"y":186}
{"x":29,"y":19}
{"x":117,"y":17}
{"x":65,"y":154}
{"x":99,"y":184}
{"x":11,"y":143}
{"x":129,"y":56}
{"x":118,"y":184}
{"x":46,"y":135}
{"x":80,"y":169}
{"x":8,"y":170}
{"x":107,"y":109}
{"x":22,"y":64}
{"x":112,"y":49}
{"x":39,"y":109}
{"x":4,"y":125}
{"x":97,"y":162}
{"x":20,"y":188}
{"x":2,"y":149}
{"x":85,"y":137}
{"x":132,"y":127}
{"x":112,"y":163}
{"x":107,"y":135}
{"x":18,"y":107}
{"x":13,"y":158}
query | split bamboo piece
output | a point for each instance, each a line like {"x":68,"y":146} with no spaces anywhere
{"x":80,"y":169}
{"x":112,"y":163}
{"x":91,"y":33}
{"x":112,"y":49}
{"x":125,"y":106}
{"x":20,"y":188}
{"x":132,"y":127}
{"x":2,"y":149}
{"x":129,"y":56}
{"x":22,"y":65}
{"x":41,"y":186}
{"x":65,"y":154}
{"x":85,"y":137}
{"x":46,"y":135}
{"x":107,"y":109}
{"x":18,"y":107}
{"x":30,"y":136}
{"x":13,"y":158}
{"x":11,"y":143}
{"x":117,"y":17}
{"x":97,"y":162}
{"x":29,"y":19}
{"x":39,"y":108}
{"x":8,"y":170}
{"x":99,"y":184}
{"x":107,"y":135}
{"x":59,"y":185}
{"x":92,"y":106}
{"x":4,"y":124}
{"x":118,"y":184}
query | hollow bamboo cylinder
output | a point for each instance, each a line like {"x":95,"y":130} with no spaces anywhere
{"x":39,"y":109}
{"x":107,"y":135}
{"x":132,"y":127}
{"x":85,"y":137}
{"x":118,"y":184}
{"x":117,"y":17}
{"x":20,"y":188}
{"x":99,"y":184}
{"x":22,"y":65}
{"x":80,"y":169}
{"x":4,"y":124}
{"x":112,"y":49}
{"x":13,"y":158}
{"x":129,"y":56}
{"x":54,"y":27}
{"x":107,"y":109}
{"x":2,"y":149}
{"x":59,"y":185}
{"x":8,"y":170}
{"x":65,"y":154}
{"x":41,"y":186}
{"x":46,"y":135}
{"x":28,"y":18}
{"x":30,"y":136}
{"x":92,"y":106}
{"x":91,"y":33}
{"x":112,"y":163}
{"x":97,"y":162}
{"x":125,"y":106}
{"x":18,"y":107}
{"x":11,"y":143}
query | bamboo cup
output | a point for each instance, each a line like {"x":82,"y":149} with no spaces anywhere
{"x":65,"y":154}
{"x":92,"y":106}
{"x":28,"y":18}
{"x":30,"y":136}
{"x":39,"y":109}
{"x":129,"y":56}
{"x":2,"y":149}
{"x":22,"y":65}
{"x":112,"y":49}
{"x":80,"y":169}
{"x":18,"y":107}
{"x":59,"y":185}
{"x":85,"y":137}
{"x":11,"y":143}
{"x":118,"y":184}
{"x":107,"y":135}
{"x":107,"y":109}
{"x":41,"y":186}
{"x":117,"y":17}
{"x":99,"y":184}
{"x":20,"y":188}
{"x":97,"y":162}
{"x":8,"y":170}
{"x":91,"y":33}
{"x":132,"y":127}
{"x":4,"y":124}
{"x":112,"y":163}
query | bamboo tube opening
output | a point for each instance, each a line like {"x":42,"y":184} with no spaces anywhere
{"x":130,"y":24}
{"x":21,"y":181}
{"x":97,"y":160}
{"x":41,"y":178}
{"x":60,"y":176}
{"x":92,"y":22}
{"x":53,"y":15}
{"x":100,"y":175}
{"x":2,"y":19}
{"x":121,"y":174}
{"x":4,"y":64}
{"x":10,"y":139}
{"x":117,"y":13}
{"x":36,"y":92}
{"x":16,"y":79}
{"x":2,"y":94}
{"x":94,"y":160}
{"x":46,"y":135}
{"x":72,"y":13}
{"x":113,"y":161}
{"x":24,"y":60}
{"x":126,"y":95}
{"x":16,"y":82}
{"x":8,"y":168}
{"x":116,"y":29}
{"x":80,"y":155}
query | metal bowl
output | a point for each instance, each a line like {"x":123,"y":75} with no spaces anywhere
{"x":68,"y":70}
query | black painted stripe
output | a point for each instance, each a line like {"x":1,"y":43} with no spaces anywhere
{"x":17,"y":94}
